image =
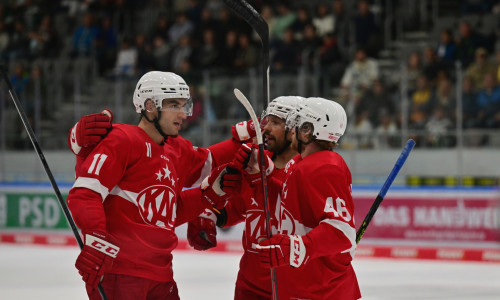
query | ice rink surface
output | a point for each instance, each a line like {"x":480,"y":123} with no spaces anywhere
{"x":47,"y":272}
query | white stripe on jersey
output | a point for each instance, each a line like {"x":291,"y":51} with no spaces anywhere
{"x":205,"y":170}
{"x":347,"y":230}
{"x":127,"y":195}
{"x":92,"y":184}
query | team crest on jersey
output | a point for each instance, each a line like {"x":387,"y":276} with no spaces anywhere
{"x":289,"y":164}
{"x":288,"y":224}
{"x":165,"y":174}
{"x":157,"y":206}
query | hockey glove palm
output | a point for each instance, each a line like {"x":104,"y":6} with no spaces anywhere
{"x":281,"y":250}
{"x":89,"y":131}
{"x":201,"y":232}
{"x":220,"y":185}
{"x":96,"y":258}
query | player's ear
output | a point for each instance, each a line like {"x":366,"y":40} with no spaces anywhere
{"x":150,"y":106}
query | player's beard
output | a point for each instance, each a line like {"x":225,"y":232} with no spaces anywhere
{"x":277,"y":145}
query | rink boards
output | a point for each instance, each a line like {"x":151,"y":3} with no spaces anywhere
{"x":431,"y":223}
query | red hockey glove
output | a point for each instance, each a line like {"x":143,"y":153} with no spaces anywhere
{"x":89,"y":131}
{"x":202,"y":233}
{"x":247,"y":159}
{"x":96,"y":258}
{"x":220,"y":185}
{"x":243,"y":131}
{"x":243,"y":155}
{"x":282,"y":250}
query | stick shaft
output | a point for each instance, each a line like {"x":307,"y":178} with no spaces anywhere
{"x":239,"y":95}
{"x":38,"y":150}
{"x":383,"y":191}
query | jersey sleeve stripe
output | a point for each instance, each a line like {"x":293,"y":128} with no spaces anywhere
{"x":347,"y":230}
{"x":127,"y":195}
{"x":205,"y":170}
{"x":92,"y":184}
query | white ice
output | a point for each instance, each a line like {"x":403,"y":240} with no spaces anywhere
{"x":47,"y":272}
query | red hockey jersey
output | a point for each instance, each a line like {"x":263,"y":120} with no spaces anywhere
{"x":129,"y":186}
{"x":316,"y":201}
{"x":253,"y":275}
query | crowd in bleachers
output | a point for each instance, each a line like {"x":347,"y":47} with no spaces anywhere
{"x":130,"y":37}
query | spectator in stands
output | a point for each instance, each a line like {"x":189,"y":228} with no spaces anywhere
{"x":44,"y":41}
{"x":432,"y":66}
{"x":376,"y":100}
{"x":422,"y":102}
{"x":159,"y":29}
{"x":479,"y":68}
{"x":145,"y":57}
{"x":36,"y":92}
{"x":246,"y":56}
{"x":497,"y":66}
{"x":207,"y":22}
{"x":215,"y":6}
{"x":488,"y":101}
{"x":107,"y":45}
{"x":414,"y":69}
{"x":126,"y":61}
{"x":310,"y":41}
{"x":286,"y":17}
{"x":360,"y":74}
{"x":85,"y":37}
{"x":4,"y":41}
{"x":467,"y":43}
{"x":194,"y":12}
{"x":161,"y":54}
{"x":267,"y":14}
{"x":324,"y":21}
{"x":228,"y":21}
{"x":19,"y":78}
{"x":285,"y":54}
{"x":342,"y":27}
{"x":438,"y":127}
{"x":445,"y":98}
{"x":19,"y":42}
{"x":207,"y":55}
{"x":446,"y":50}
{"x":386,"y":131}
{"x":366,"y":29}
{"x":470,"y":106}
{"x":303,"y":19}
{"x":330,"y":60}
{"x":363,"y":130}
{"x":180,"y":53}
{"x":181,"y":27}
{"x":230,"y":50}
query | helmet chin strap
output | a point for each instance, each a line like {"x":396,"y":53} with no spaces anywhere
{"x":156,"y":124}
{"x":299,"y":142}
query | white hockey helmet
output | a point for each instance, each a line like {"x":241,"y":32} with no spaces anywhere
{"x":281,"y":106}
{"x":327,"y":117}
{"x":157,"y":86}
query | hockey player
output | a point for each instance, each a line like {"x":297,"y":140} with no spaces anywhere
{"x":316,"y":237}
{"x":128,"y":197}
{"x":254,"y":281}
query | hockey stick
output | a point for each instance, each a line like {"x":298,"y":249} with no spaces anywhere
{"x":38,"y":150}
{"x":255,"y":20}
{"x":388,"y":182}
{"x":239,"y":95}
